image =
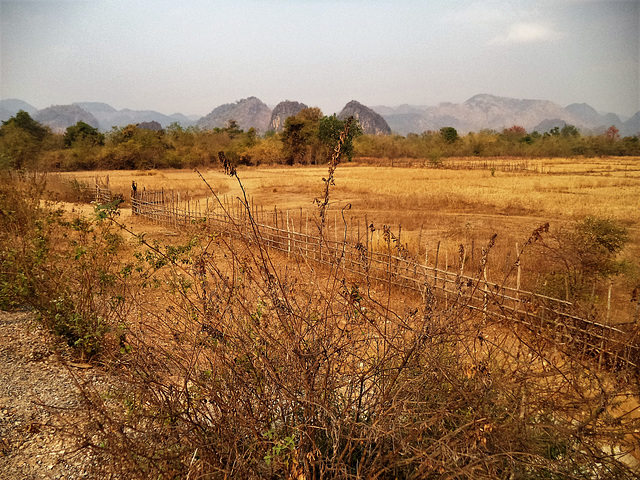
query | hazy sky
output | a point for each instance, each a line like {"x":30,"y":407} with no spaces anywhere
{"x":191,"y":56}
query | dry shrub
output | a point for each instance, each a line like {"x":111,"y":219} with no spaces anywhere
{"x":249,"y":365}
{"x":70,"y":189}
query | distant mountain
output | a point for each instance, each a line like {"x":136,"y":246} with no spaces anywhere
{"x":281,"y":112}
{"x":404,"y":109}
{"x":153,"y":125}
{"x":477,"y":113}
{"x":96,"y":107}
{"x":548,"y":125}
{"x":492,"y":112}
{"x":488,"y":111}
{"x":110,"y":117}
{"x":11,"y":106}
{"x":249,"y":112}
{"x":631,"y":126}
{"x":59,"y":117}
{"x":372,"y":123}
{"x":590,"y":116}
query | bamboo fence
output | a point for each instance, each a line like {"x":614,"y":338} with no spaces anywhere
{"x":378,"y":255}
{"x":102,"y":190}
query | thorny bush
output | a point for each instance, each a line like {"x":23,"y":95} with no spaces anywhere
{"x":236,"y":362}
{"x":244,"y":364}
{"x":65,"y":269}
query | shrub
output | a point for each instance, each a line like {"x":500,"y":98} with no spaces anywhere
{"x":580,"y":257}
{"x":66,"y":270}
{"x":259,"y":367}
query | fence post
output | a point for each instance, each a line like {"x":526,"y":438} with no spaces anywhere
{"x":288,"y":237}
{"x":609,"y":300}
{"x":366,"y":233}
{"x":485,"y":304}
{"x":426,"y":255}
{"x":463,"y":257}
{"x":518,"y":266}
{"x":306,"y":234}
{"x":446,"y":274}
{"x":435,"y":271}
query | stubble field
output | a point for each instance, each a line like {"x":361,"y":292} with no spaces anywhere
{"x":218,"y":326}
{"x":453,"y":206}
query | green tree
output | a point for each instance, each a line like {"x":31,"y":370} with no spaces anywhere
{"x":583,"y":255}
{"x":21,"y":140}
{"x":300,"y":137}
{"x":84,"y":133}
{"x":595,"y":243}
{"x":294,"y":140}
{"x":329,"y":129}
{"x":24,"y":121}
{"x":569,"y":131}
{"x":232,"y":129}
{"x":449,"y":134}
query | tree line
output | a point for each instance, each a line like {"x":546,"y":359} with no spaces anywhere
{"x":307,"y":138}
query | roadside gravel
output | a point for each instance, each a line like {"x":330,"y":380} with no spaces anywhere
{"x":38,"y":404}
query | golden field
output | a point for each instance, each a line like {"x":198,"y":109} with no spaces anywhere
{"x":435,"y":207}
{"x":464,"y":202}
{"x":450,"y":205}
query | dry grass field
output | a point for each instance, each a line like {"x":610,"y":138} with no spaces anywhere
{"x":454,"y":206}
{"x":465,"y":202}
{"x":212,"y":333}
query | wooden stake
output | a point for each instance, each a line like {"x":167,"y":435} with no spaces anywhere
{"x":609,"y":300}
{"x":288,"y":236}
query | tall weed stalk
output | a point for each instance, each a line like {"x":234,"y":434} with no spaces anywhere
{"x":241,"y":363}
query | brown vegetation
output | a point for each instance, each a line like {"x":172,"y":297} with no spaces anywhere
{"x":238,"y":362}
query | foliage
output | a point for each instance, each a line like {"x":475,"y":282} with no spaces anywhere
{"x":82,"y":133}
{"x":23,"y":121}
{"x":329,"y":130}
{"x":257,"y":374}
{"x":580,"y":257}
{"x":308,"y":138}
{"x":21,"y":141}
{"x":595,"y":242}
{"x":300,"y":136}
{"x":449,"y":134}
{"x":516,"y":132}
{"x":570,"y":131}
{"x":612,"y":134}
{"x":237,"y":362}
{"x":65,"y":270}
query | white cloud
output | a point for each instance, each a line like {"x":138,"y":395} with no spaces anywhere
{"x":531,"y":32}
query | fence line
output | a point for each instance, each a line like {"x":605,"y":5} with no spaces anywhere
{"x":358,"y":253}
{"x":103,"y":190}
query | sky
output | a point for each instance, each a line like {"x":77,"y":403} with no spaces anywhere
{"x":192,"y":56}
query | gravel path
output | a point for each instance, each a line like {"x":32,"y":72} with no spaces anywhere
{"x":37,"y":397}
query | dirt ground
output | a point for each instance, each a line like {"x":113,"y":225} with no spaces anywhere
{"x":38,"y":396}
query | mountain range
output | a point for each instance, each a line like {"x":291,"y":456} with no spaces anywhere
{"x":497,"y":113}
{"x":480,"y":112}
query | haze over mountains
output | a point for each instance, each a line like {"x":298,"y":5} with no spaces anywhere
{"x":477,"y":113}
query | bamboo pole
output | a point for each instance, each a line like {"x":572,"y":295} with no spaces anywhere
{"x":366,"y":232}
{"x":518,"y":272}
{"x":435,"y":272}
{"x":609,"y":300}
{"x":288,"y":237}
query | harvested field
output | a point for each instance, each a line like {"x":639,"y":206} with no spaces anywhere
{"x":436,"y":208}
{"x":245,"y":361}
